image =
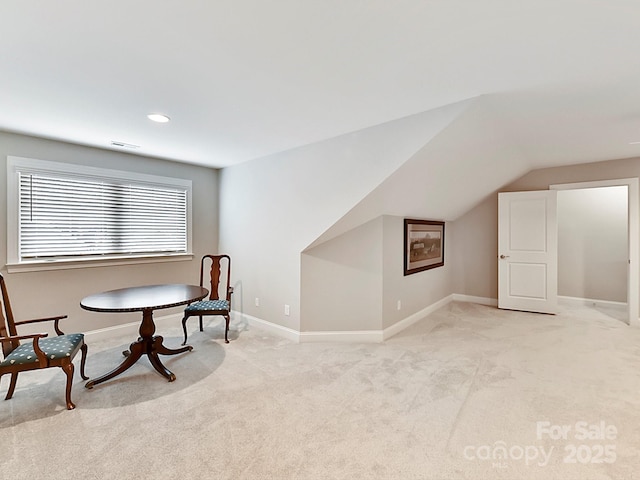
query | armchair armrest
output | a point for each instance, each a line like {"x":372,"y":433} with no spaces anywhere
{"x":42,"y":358}
{"x":47,"y":319}
{"x":35,"y":336}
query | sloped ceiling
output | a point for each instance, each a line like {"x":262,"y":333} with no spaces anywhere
{"x":469,"y":158}
{"x":244,"y":79}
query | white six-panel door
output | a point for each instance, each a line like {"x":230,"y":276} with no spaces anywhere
{"x":528,"y":251}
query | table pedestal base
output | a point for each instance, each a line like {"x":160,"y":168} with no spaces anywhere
{"x":147,"y":344}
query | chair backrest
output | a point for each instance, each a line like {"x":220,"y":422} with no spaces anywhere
{"x":7,"y":326}
{"x":219,"y":275}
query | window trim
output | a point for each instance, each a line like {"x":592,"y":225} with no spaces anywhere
{"x":16,"y":164}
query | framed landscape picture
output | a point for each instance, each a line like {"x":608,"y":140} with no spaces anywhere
{"x":423,"y":245}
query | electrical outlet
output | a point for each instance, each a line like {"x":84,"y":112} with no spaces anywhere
{"x":287,"y":310}
{"x":399,"y":304}
{"x":257,"y":302}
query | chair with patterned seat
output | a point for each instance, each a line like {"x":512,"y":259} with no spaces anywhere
{"x":40,"y":352}
{"x":214,"y":305}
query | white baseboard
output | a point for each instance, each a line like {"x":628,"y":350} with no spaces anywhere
{"x":590,"y":302}
{"x":279,"y":330}
{"x":353,"y":336}
{"x":131,"y":329}
{"x":165,"y":321}
{"x":362,"y":336}
{"x":367,"y":336}
{"x":491,"y":302}
{"x":416,"y":317}
{"x":613,"y":308}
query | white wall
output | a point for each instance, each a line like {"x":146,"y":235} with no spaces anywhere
{"x":476,"y":231}
{"x":325,"y":215}
{"x":343,"y":282}
{"x":475,"y":248}
{"x":353,"y":282}
{"x":273,"y":208}
{"x":416,"y":291}
{"x":425,"y":186}
{"x":277,"y":211}
{"x":448,"y":175}
{"x":592,"y":243}
{"x":46,"y":293}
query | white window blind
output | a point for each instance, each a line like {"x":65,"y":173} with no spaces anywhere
{"x":67,"y":215}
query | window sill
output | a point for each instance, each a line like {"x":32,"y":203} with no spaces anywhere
{"x":101,"y":262}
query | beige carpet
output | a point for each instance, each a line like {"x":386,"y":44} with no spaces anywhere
{"x":470,"y":392}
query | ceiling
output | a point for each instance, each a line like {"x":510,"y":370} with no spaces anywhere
{"x":243,"y":79}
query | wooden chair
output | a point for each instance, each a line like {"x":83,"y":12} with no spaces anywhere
{"x":40,"y":352}
{"x":214,"y":305}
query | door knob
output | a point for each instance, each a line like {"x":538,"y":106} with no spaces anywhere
{"x":504,"y":256}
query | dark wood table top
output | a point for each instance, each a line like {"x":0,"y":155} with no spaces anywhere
{"x":136,"y":299}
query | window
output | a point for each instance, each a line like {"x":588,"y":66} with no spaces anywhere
{"x":70,"y":213}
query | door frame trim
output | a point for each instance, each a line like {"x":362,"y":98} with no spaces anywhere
{"x":632,"y":184}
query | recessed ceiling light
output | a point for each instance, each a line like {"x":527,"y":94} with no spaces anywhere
{"x":158,"y":117}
